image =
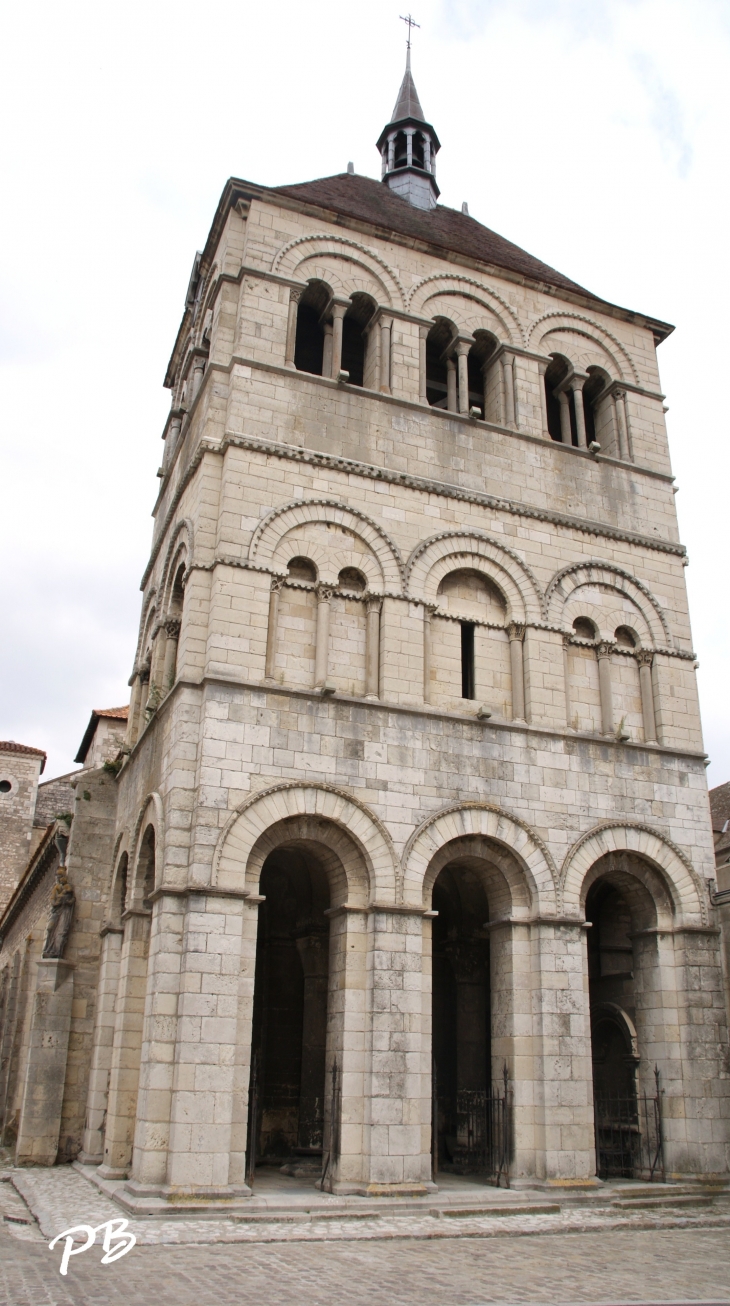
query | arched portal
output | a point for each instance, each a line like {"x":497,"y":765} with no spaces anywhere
{"x":290,"y":1012}
{"x":625,"y":985}
{"x":476,"y":883}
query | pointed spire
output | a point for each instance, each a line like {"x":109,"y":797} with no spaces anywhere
{"x":408,"y":146}
{"x":408,"y":104}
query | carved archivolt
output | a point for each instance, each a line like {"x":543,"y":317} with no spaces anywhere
{"x":596,"y":572}
{"x":180,"y":546}
{"x":467,"y":288}
{"x":677,"y":873}
{"x":281,"y":520}
{"x":464,"y":820}
{"x":568,"y":322}
{"x":289,"y":258}
{"x":454,"y":550}
{"x":236,"y":865}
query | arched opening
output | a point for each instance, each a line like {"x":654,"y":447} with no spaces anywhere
{"x":400,"y":151}
{"x":303,"y":569}
{"x":621,"y":911}
{"x":352,"y":579}
{"x":592,"y":392}
{"x":309,"y":345}
{"x":461,"y":1018}
{"x":584,"y":628}
{"x":419,"y":158}
{"x":119,"y":900}
{"x":437,"y":343}
{"x":354,"y":336}
{"x":477,"y":364}
{"x":561,"y":424}
{"x":289,"y":1039}
{"x":625,"y":637}
{"x":470,"y":657}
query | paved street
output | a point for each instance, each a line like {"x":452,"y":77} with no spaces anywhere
{"x":611,"y":1266}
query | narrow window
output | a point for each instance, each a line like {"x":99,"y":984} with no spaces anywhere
{"x":467,"y":659}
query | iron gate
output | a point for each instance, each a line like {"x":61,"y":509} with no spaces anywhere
{"x":479,"y":1129}
{"x":629,"y":1140}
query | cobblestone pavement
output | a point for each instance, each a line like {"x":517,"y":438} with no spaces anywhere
{"x":610,"y":1266}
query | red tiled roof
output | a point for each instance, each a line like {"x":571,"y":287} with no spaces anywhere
{"x":121,"y":713}
{"x":115,"y":713}
{"x":10,"y":746}
{"x":371,"y":201}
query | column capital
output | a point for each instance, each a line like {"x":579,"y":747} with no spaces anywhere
{"x":373,"y":602}
{"x":295,"y":294}
{"x":277,"y":583}
{"x":516,"y":631}
{"x":604,"y":649}
{"x":339,"y":307}
{"x":324,"y":593}
{"x":461,"y":345}
{"x":577,"y":380}
{"x":172,"y":628}
{"x":644,"y":657}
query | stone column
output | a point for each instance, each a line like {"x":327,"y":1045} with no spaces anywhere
{"x":171,"y":439}
{"x":409,"y":146}
{"x":144,"y":679}
{"x":516,"y":635}
{"x":291,"y":327}
{"x":101,"y":1058}
{"x":385,"y":325}
{"x":565,"y":1146}
{"x":172,"y":631}
{"x":566,"y":434}
{"x":45,"y":1075}
{"x":163,"y":1002}
{"x":513,"y":1042}
{"x":645,"y":659}
{"x":322,"y":645}
{"x":509,"y":389}
{"x":624,"y":444}
{"x":198,"y":370}
{"x":204,"y":1157}
{"x":451,"y":399}
{"x":604,"y":652}
{"x":576,"y":385}
{"x":270,"y":667}
{"x":372,"y":650}
{"x":132,"y":719}
{"x":127,"y":1044}
{"x":397,"y":1125}
{"x":566,"y":674}
{"x":313,"y":951}
{"x":462,"y":352}
{"x":422,"y":370}
{"x":542,"y":369}
{"x":327,"y":350}
{"x":338,"y":317}
{"x":428,"y":611}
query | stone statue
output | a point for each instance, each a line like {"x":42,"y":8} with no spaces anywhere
{"x":63,"y":900}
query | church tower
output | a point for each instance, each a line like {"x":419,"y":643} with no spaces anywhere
{"x":413,"y":803}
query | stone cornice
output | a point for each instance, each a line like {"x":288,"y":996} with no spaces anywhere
{"x":445,"y":489}
{"x":570,"y":737}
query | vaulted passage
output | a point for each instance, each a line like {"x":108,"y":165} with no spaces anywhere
{"x":461,"y":1020}
{"x":290,"y":1012}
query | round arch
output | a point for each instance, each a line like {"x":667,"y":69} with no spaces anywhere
{"x":242,"y":846}
{"x":596,"y":572}
{"x":281,"y":520}
{"x":586,"y":333}
{"x":151,"y":813}
{"x":485,"y":821}
{"x":453,"y":550}
{"x":676,"y":873}
{"x":472,"y":291}
{"x":181,"y":540}
{"x":289,"y":258}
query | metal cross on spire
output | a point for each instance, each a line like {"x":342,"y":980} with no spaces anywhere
{"x":410,"y":23}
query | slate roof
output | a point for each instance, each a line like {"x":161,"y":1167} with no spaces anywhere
{"x":370,"y":201}
{"x":408,"y":104}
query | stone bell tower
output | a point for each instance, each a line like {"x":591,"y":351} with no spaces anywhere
{"x":414,"y":776}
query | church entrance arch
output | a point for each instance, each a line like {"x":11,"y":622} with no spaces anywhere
{"x":289,"y":1040}
{"x":624,"y":901}
{"x":472,"y":1002}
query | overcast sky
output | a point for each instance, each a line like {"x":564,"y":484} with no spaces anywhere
{"x":594,"y":134}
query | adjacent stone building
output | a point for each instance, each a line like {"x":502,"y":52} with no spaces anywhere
{"x":413,"y":803}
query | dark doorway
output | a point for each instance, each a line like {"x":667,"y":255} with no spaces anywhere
{"x":461,"y":1020}
{"x":290,"y":1014}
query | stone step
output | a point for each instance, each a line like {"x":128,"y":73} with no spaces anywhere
{"x":650,"y":1203}
{"x":506,"y":1208}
